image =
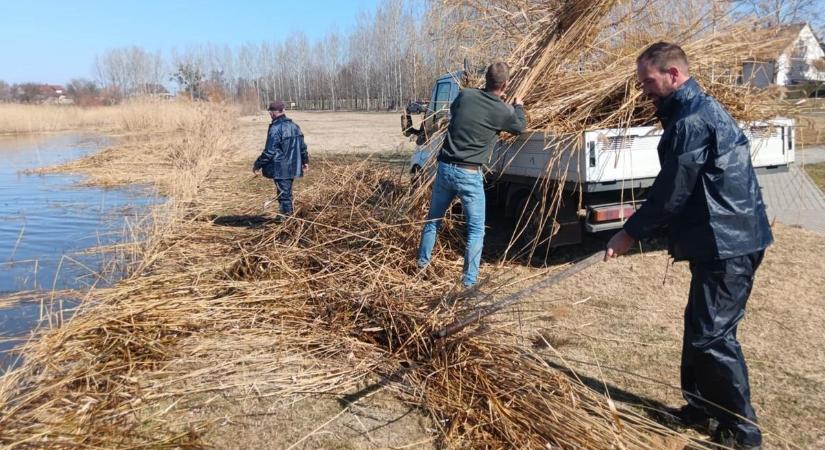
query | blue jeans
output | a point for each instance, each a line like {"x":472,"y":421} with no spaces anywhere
{"x":468,"y":185}
{"x":284,"y":189}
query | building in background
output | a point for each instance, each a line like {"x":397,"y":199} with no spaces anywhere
{"x":798,"y":58}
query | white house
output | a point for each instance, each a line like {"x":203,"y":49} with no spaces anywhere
{"x":797,"y":58}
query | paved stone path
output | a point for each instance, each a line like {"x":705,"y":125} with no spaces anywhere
{"x":791,"y":197}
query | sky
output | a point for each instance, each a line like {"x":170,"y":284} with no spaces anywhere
{"x":54,"y":41}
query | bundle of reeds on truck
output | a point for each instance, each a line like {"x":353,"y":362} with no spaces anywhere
{"x":574,"y":65}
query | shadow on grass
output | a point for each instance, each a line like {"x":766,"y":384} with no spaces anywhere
{"x":243,"y":221}
{"x":500,"y":231}
{"x":653,"y":409}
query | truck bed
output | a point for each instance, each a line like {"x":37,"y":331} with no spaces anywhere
{"x":613,"y":158}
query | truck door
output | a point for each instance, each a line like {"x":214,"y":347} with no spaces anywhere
{"x":440,"y":104}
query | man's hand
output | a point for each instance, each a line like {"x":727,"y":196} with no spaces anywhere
{"x":255,"y":170}
{"x":619,"y":244}
{"x":305,"y":167}
{"x":517,"y":101}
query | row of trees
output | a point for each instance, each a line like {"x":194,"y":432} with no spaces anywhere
{"x":382,"y":63}
{"x":79,"y":91}
{"x":392,"y":55}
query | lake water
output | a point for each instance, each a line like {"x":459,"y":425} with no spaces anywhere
{"x":48,"y":221}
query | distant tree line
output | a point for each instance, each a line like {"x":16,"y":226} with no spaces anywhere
{"x":392,"y":55}
{"x":382,"y":63}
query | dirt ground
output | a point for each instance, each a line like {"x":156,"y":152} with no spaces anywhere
{"x":335,"y":132}
{"x":617,"y":325}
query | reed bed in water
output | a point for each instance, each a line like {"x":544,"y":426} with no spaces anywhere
{"x":131,"y":116}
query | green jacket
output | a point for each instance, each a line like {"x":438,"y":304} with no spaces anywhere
{"x":476,"y":119}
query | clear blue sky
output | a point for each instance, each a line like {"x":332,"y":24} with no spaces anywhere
{"x":54,"y":41}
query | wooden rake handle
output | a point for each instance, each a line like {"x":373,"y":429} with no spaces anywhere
{"x":475,"y":316}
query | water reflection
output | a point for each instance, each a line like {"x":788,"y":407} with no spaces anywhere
{"x":47,"y":221}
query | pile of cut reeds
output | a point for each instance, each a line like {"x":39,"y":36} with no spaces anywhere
{"x":337,"y":284}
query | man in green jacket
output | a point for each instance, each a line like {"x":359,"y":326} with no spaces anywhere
{"x":476,"y":119}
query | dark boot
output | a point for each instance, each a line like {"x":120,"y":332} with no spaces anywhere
{"x":725,"y":438}
{"x":692,"y":417}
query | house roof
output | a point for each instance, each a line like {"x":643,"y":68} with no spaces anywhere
{"x":49,"y":89}
{"x":772,"y":42}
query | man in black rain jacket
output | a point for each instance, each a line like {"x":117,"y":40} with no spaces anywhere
{"x":284,"y":157}
{"x":707,"y":196}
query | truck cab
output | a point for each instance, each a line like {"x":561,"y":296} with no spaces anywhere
{"x":437,"y":113}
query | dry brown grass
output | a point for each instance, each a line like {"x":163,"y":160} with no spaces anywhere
{"x":136,"y":116}
{"x":318,"y":306}
{"x":231,"y":327}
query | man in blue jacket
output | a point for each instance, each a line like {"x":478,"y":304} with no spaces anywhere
{"x":284,"y":157}
{"x":708,"y":197}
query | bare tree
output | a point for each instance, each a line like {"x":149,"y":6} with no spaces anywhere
{"x":779,"y":12}
{"x":391,"y":55}
{"x":189,"y":78}
{"x":130,"y":70}
{"x":84,"y":92}
{"x":332,"y":49}
{"x":5,"y":92}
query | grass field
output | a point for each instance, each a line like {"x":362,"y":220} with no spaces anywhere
{"x":817,"y":173}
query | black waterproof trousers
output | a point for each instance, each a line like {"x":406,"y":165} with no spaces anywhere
{"x":714,"y":374}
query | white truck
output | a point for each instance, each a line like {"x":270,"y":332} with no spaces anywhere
{"x":602,"y":174}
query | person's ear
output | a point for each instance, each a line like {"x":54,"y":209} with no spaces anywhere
{"x":673,"y":71}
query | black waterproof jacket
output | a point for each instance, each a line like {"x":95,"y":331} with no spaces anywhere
{"x":285,"y":151}
{"x":706,"y":192}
